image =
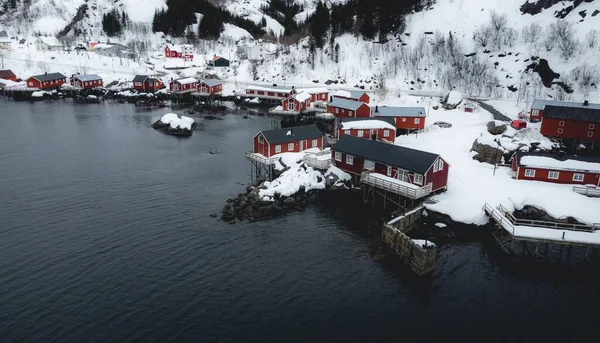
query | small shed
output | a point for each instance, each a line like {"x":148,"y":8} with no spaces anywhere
{"x":406,"y":118}
{"x":86,"y":81}
{"x":298,"y":102}
{"x":369,"y":128}
{"x":210,"y":87}
{"x":291,"y":139}
{"x":145,"y":83}
{"x":341,"y":108}
{"x":183,"y":85}
{"x":218,"y":61}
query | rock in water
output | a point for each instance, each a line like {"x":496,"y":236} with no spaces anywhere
{"x":496,"y":127}
{"x":452,"y":100}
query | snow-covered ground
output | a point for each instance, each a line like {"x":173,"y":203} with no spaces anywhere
{"x":471,"y":184}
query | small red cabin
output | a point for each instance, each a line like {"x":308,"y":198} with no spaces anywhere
{"x":298,"y":102}
{"x":210,"y":87}
{"x":536,"y":112}
{"x":344,"y":108}
{"x":8,"y":74}
{"x":557,"y":168}
{"x":518,"y":124}
{"x":414,"y":173}
{"x":317,"y":94}
{"x":145,"y":83}
{"x":185,"y":52}
{"x":183,"y":85}
{"x":46,"y":81}
{"x":369,"y":128}
{"x":355,"y":95}
{"x":581,"y":124}
{"x":291,"y":139}
{"x":86,"y":81}
{"x":406,"y":118}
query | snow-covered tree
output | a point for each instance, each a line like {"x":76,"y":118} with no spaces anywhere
{"x":591,"y":38}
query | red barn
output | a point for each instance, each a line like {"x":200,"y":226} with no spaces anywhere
{"x":406,"y":118}
{"x":342,"y":108}
{"x":556,"y":168}
{"x":86,"y":81}
{"x":8,"y":75}
{"x":183,"y":85}
{"x":145,"y":83}
{"x":355,"y":95}
{"x":418,"y":173}
{"x":185,"y":51}
{"x":46,"y":81}
{"x":210,"y":87}
{"x":270,"y":92}
{"x":370,"y":128}
{"x":317,"y":94}
{"x":297,"y":102}
{"x":538,"y":106}
{"x":291,"y":139}
{"x":581,"y":124}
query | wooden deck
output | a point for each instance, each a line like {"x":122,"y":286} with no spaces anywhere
{"x":587,"y":191}
{"x":395,"y":186}
{"x":317,"y":160}
{"x":262,"y":159}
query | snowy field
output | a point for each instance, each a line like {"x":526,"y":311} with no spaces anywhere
{"x":471,"y":184}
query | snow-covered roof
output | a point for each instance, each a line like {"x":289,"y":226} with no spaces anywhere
{"x":48,"y":77}
{"x":393,"y":111}
{"x":570,"y":163}
{"x":50,"y":41}
{"x":314,"y":90}
{"x":211,"y":82}
{"x":102,"y":46}
{"x":301,"y":97}
{"x":367,"y":124}
{"x":346,"y":104}
{"x":539,"y":104}
{"x":352,"y":94}
{"x":186,"y":80}
{"x":4,"y":39}
{"x":89,"y":77}
{"x":269,"y":89}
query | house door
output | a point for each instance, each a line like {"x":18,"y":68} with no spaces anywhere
{"x":302,"y":145}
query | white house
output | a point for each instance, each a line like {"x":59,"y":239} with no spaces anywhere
{"x":5,"y":42}
{"x":48,"y":44}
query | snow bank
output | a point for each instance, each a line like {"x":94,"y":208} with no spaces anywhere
{"x":424,"y":243}
{"x":234,"y":32}
{"x":440,"y":225}
{"x":177,"y":122}
{"x":530,"y":136}
{"x":341,"y":175}
{"x":550,"y":163}
{"x":367,"y":124}
{"x":37,"y":94}
{"x":291,"y":180}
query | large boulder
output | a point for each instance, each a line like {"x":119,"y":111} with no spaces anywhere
{"x":496,"y":127}
{"x":487,"y":150}
{"x":452,"y":100}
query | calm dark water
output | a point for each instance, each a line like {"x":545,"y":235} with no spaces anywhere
{"x":106,"y":236}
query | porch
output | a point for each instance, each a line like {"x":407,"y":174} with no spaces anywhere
{"x":395,"y":186}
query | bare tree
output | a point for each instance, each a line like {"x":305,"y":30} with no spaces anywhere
{"x":591,"y":38}
{"x":483,"y":35}
{"x":383,"y":90}
{"x":498,"y":25}
{"x":3,"y":53}
{"x":532,"y":33}
{"x":564,"y":34}
{"x":586,"y":76}
{"x":510,"y":36}
{"x":549,"y":42}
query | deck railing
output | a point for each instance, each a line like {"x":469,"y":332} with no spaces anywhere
{"x":314,"y":162}
{"x":251,"y":155}
{"x":397,"y":188}
{"x":587,"y":191}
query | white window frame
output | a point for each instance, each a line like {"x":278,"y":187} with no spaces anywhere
{"x":346,"y":132}
{"x":553,"y":173}
{"x":404,"y":120}
{"x":417,"y":120}
{"x":560,"y":130}
{"x":338,"y":156}
{"x":290,"y":146}
{"x":315,"y":143}
{"x":592,"y":126}
{"x":389,"y":171}
{"x":561,"y":123}
{"x":360,"y":133}
{"x":260,"y":139}
{"x":435,"y":167}
{"x":337,"y":110}
{"x":529,"y":172}
{"x":349,"y":159}
{"x":535,"y":112}
{"x":418,"y":179}
{"x":277,"y":149}
{"x":578,"y":177}
{"x":590,"y":134}
{"x":386,"y":133}
{"x":351,"y":113}
{"x":440,"y":165}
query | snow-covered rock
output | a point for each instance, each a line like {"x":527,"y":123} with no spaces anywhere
{"x":487,"y":149}
{"x":174,"y":124}
{"x":496,"y":127}
{"x":452,"y":100}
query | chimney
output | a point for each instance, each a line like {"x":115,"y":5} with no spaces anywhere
{"x":585,"y":103}
{"x":376,"y":109}
{"x":331,"y":99}
{"x":45,"y":73}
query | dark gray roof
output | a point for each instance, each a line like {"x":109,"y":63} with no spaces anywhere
{"x":140,"y":78}
{"x":556,"y":156}
{"x":346,"y":104}
{"x":390,"y":120}
{"x":296,"y":133}
{"x":394,"y":111}
{"x":573,"y":113}
{"x":89,"y":77}
{"x":392,"y":155}
{"x":49,"y":77}
{"x":539,"y":104}
{"x":3,"y":33}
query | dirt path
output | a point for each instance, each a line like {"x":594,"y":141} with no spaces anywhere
{"x":497,"y":115}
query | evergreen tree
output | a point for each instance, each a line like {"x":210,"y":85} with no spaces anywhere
{"x":210,"y":26}
{"x":111,"y":24}
{"x":320,"y":24}
{"x":13,"y":4}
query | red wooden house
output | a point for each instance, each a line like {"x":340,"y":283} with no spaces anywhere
{"x":185,"y":51}
{"x":8,"y":74}
{"x":317,"y":94}
{"x":291,"y":139}
{"x":183,"y":85}
{"x":536,"y":112}
{"x":46,"y":81}
{"x":342,"y":108}
{"x":270,"y":92}
{"x":86,"y":81}
{"x":370,"y":128}
{"x":145,"y":83}
{"x":407,"y":172}
{"x":297,"y":102}
{"x":406,"y":118}
{"x":355,"y":95}
{"x":210,"y":87}
{"x":556,"y":168}
{"x":580,"y":124}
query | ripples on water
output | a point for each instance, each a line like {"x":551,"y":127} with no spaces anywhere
{"x":106,"y":236}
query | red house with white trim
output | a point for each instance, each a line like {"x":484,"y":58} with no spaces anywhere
{"x":86,"y":81}
{"x":355,"y":95}
{"x":580,"y":124}
{"x":536,"y":111}
{"x":297,"y":102}
{"x":412,"y":173}
{"x":183,"y":85}
{"x":556,"y":168}
{"x":291,"y":139}
{"x":317,"y":94}
{"x":145,"y":83}
{"x":185,"y":51}
{"x":209,"y":87}
{"x":8,"y":74}
{"x":344,"y":108}
{"x":369,"y":128}
{"x":270,"y":92}
{"x":46,"y":81}
{"x":406,"y":118}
